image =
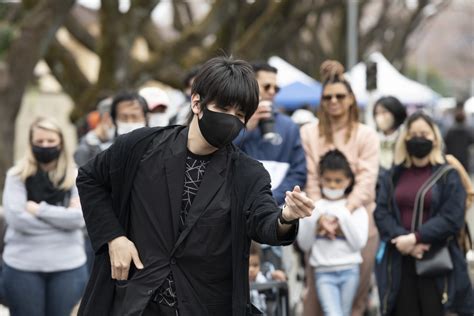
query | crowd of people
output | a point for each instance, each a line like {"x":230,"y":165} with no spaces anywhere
{"x":180,"y":212}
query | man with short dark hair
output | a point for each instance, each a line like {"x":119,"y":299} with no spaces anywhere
{"x":129,"y":112}
{"x":274,"y":139}
{"x":183,"y":204}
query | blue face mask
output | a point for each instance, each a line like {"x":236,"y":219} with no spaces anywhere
{"x":219,"y":129}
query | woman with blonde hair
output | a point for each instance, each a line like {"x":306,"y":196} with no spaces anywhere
{"x":420,"y":210}
{"x":339,"y":128}
{"x":44,"y":260}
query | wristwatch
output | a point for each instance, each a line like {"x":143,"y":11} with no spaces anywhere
{"x":281,"y":220}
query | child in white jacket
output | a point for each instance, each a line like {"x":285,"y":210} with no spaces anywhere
{"x":334,"y":237}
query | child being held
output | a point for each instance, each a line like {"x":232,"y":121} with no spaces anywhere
{"x":334,"y":236}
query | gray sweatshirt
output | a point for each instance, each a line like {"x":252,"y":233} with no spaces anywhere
{"x":50,"y":241}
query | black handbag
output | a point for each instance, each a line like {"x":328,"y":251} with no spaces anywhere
{"x":436,"y":261}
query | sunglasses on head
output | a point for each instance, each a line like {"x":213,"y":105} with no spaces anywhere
{"x":339,"y":96}
{"x":267,"y":87}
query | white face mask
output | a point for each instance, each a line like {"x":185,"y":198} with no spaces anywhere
{"x":158,"y":119}
{"x":110,"y":133}
{"x":124,"y":128}
{"x":384,"y":122}
{"x":333,"y":194}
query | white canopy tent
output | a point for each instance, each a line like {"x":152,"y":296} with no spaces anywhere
{"x":390,"y":82}
{"x":469,"y":106}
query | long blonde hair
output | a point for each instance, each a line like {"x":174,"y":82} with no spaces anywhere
{"x":401,"y":155}
{"x":63,"y":176}
{"x":332,"y":72}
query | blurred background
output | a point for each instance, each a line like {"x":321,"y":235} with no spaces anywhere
{"x":59,"y":58}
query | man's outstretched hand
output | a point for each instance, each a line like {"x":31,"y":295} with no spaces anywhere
{"x":122,"y":252}
{"x":298,"y":205}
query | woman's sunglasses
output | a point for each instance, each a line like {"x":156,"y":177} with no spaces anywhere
{"x":267,"y":87}
{"x":339,"y":96}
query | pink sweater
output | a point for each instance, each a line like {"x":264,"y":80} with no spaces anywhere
{"x":362,"y":152}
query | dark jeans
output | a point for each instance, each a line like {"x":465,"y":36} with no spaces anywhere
{"x":418,"y":296}
{"x":43,"y":293}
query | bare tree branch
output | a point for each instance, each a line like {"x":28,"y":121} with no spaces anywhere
{"x":80,"y":33}
{"x":65,"y":69}
{"x":36,"y":31}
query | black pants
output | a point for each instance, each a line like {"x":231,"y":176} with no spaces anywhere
{"x":418,"y":296}
{"x":155,"y":309}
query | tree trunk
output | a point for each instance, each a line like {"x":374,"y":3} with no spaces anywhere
{"x":37,"y":29}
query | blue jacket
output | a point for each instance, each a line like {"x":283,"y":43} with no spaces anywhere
{"x":446,"y":219}
{"x":289,"y":151}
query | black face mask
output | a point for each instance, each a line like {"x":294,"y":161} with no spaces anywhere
{"x":45,"y":154}
{"x":219,"y":129}
{"x":419,"y":147}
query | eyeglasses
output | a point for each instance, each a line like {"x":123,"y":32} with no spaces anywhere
{"x":339,"y":96}
{"x":267,"y":87}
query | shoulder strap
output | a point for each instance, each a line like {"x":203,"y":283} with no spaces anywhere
{"x":420,"y":195}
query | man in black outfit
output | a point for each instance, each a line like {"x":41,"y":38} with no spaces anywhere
{"x":182,"y":204}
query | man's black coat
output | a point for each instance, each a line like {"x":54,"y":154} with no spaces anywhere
{"x":232,"y":181}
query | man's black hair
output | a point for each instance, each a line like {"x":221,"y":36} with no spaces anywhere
{"x":335,"y":160}
{"x":127,"y":96}
{"x":227,"y":83}
{"x":263,"y":66}
{"x":190,"y":75}
{"x":394,"y":106}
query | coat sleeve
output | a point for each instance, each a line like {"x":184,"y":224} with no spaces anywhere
{"x":14,"y":205}
{"x":355,"y":227}
{"x":384,"y":215}
{"x":262,"y":211}
{"x":94,"y":184}
{"x":449,"y":215}
{"x":367,"y":170}
{"x":65,"y":218}
{"x":296,"y":174}
{"x":308,"y":140}
{"x":307,"y":230}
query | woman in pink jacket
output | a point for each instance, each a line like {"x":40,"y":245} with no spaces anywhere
{"x":339,"y":128}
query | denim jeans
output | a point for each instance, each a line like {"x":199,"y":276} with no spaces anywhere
{"x":336,"y":290}
{"x":43,"y":293}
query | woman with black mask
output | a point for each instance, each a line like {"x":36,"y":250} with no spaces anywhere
{"x":413,"y":226}
{"x":44,"y":260}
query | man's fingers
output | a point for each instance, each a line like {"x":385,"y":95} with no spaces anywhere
{"x":112,"y":268}
{"x":136,"y":259}
{"x":124,"y":272}
{"x":297,"y":188}
{"x":301,"y":197}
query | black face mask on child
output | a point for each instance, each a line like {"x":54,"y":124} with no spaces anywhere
{"x":219,"y":129}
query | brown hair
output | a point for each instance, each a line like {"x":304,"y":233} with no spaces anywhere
{"x":255,"y":249}
{"x":332,"y":72}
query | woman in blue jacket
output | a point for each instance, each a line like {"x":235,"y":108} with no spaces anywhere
{"x":418,"y":155}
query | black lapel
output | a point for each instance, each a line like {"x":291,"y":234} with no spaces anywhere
{"x":211,"y":183}
{"x":174,"y":166}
